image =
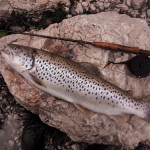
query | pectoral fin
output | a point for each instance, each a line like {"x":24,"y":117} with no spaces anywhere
{"x":121,"y":119}
{"x":36,"y":80}
{"x":91,"y":68}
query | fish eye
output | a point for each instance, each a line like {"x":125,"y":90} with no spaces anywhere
{"x":15,"y":49}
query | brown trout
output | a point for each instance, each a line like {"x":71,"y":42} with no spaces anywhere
{"x":70,"y":81}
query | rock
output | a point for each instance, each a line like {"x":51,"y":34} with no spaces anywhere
{"x":100,"y":5}
{"x":148,"y":12}
{"x":106,"y":5}
{"x":85,"y":4}
{"x":122,"y":7}
{"x":128,"y":2}
{"x":143,"y":15}
{"x":79,"y":8}
{"x":18,"y":29}
{"x":137,"y":4}
{"x":30,"y":7}
{"x":117,"y":10}
{"x":4,"y":7}
{"x":133,"y":13}
{"x":136,"y":13}
{"x":92,"y":128}
{"x":92,"y":7}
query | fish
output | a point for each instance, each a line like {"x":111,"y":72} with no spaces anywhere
{"x":72,"y":82}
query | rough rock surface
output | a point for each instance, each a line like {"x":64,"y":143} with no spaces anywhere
{"x":92,"y":128}
{"x":31,"y":6}
{"x":137,"y":4}
{"x":33,"y":12}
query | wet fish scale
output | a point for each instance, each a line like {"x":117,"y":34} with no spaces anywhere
{"x":72,"y":82}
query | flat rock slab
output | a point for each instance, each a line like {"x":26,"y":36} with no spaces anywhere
{"x":92,"y":128}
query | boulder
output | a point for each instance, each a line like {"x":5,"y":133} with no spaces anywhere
{"x":92,"y":127}
{"x":137,"y":4}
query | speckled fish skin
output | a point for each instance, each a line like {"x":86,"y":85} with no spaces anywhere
{"x":72,"y":82}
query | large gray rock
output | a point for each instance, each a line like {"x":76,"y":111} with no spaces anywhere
{"x":92,"y":128}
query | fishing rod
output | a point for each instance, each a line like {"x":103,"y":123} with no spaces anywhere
{"x":105,"y":45}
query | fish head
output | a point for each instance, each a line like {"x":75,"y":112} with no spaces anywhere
{"x":19,"y":58}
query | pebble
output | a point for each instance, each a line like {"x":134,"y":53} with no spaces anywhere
{"x":73,"y":11}
{"x":148,"y":12}
{"x":18,"y":29}
{"x":66,"y":9}
{"x":143,"y":15}
{"x":137,"y":4}
{"x":11,"y":143}
{"x":128,"y":3}
{"x":117,"y":10}
{"x":85,"y":4}
{"x":100,"y":5}
{"x":122,"y":7}
{"x":75,"y":147}
{"x":136,"y":13}
{"x":79,"y":8}
{"x":92,"y":7}
{"x":106,"y":5}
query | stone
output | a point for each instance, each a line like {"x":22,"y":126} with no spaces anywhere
{"x":148,"y":12}
{"x":117,"y":9}
{"x":85,"y":4}
{"x":11,"y":143}
{"x":137,"y":4}
{"x":4,"y":7}
{"x":143,"y":15}
{"x":92,"y":128}
{"x":128,"y":3}
{"x":100,"y":5}
{"x":79,"y":8}
{"x":18,"y":29}
{"x":122,"y":7}
{"x":92,"y":7}
{"x":106,"y":5}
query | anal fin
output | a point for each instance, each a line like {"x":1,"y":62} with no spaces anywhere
{"x":121,"y":118}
